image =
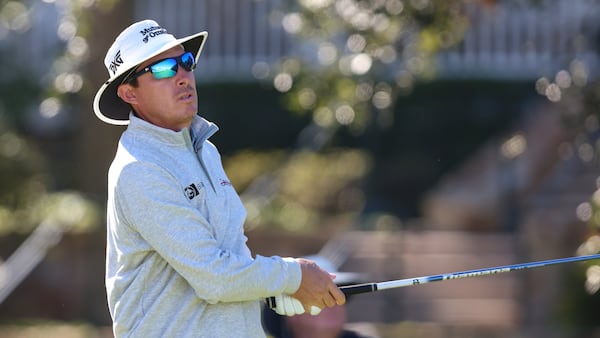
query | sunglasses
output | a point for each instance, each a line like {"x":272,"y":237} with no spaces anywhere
{"x":166,"y":68}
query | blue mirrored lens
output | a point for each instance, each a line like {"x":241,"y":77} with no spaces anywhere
{"x":164,"y":69}
{"x":187,"y":61}
{"x":168,"y":67}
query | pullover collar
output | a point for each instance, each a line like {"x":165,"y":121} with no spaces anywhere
{"x":199,"y":131}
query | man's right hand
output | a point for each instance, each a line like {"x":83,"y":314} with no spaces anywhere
{"x":317,"y":287}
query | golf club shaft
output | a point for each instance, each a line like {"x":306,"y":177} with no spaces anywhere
{"x":372,"y":287}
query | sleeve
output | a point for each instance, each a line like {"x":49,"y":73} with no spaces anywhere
{"x":150,"y":202}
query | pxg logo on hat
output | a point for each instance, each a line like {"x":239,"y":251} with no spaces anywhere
{"x":136,"y":44}
{"x":116,"y":62}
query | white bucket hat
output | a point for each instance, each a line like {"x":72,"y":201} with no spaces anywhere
{"x":136,"y":44}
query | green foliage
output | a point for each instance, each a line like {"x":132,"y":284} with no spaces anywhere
{"x":17,"y":98}
{"x":321,"y":181}
{"x":356,"y":57}
{"x":311,"y":187}
{"x":27,"y":196}
{"x":578,"y":98}
{"x":245,"y":166}
{"x":576,"y":308}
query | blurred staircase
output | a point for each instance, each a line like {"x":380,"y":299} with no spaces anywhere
{"x":496,"y":209}
{"x":480,"y":301}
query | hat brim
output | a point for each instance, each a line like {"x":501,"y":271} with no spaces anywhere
{"x":109,"y":107}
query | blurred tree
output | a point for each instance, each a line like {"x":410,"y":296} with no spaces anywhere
{"x":95,"y":139}
{"x":576,"y":90}
{"x":36,"y":107}
{"x":354,"y":59}
{"x":300,"y":192}
{"x":586,"y":123}
{"x":356,"y":56}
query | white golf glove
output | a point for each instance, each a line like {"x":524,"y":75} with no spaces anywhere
{"x":314,"y":310}
{"x":289,"y":306}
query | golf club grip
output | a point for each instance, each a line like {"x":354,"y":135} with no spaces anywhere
{"x":347,"y":290}
{"x":358,"y":288}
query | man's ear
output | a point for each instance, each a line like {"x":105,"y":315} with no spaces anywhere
{"x":126,"y":93}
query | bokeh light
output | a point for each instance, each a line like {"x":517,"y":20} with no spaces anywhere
{"x":364,"y":91}
{"x":380,"y":23}
{"x":327,"y":53}
{"x":584,"y":212}
{"x":315,"y":5}
{"x":356,"y":43}
{"x":307,"y":98}
{"x":541,"y":85}
{"x":563,"y":79}
{"x":514,"y":146}
{"x":361,"y":64}
{"x":292,"y":23}
{"x":283,"y":82}
{"x":586,"y":152}
{"x":78,"y":47}
{"x":386,"y":54}
{"x":67,"y":29}
{"x":405,"y":81}
{"x":382,"y":99}
{"x":261,"y":70}
{"x":324,"y":117}
{"x":15,"y":16}
{"x":394,"y":7}
{"x":50,"y":107}
{"x":68,"y":82}
{"x":553,"y":92}
{"x":420,"y":5}
{"x":344,"y":114}
{"x":592,"y":282}
{"x":590,"y":246}
{"x":579,"y":73}
{"x":10,"y":145}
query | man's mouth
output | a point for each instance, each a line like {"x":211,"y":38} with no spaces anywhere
{"x":185,"y":96}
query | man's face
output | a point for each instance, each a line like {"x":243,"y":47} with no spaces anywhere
{"x":169,"y":103}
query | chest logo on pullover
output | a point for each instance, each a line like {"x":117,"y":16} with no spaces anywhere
{"x":191,"y":191}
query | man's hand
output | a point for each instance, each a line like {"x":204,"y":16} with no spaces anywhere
{"x":317,"y":287}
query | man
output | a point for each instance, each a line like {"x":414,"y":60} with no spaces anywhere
{"x":177,"y":263}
